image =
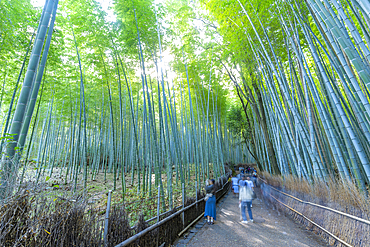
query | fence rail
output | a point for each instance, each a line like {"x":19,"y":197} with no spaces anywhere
{"x":319,"y":206}
{"x":32,"y":219}
{"x":166,"y":231}
{"x":344,"y":237}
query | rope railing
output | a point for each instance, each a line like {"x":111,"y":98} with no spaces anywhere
{"x":315,"y":205}
{"x":312,"y":222}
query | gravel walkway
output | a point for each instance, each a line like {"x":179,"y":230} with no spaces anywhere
{"x":269,"y":228}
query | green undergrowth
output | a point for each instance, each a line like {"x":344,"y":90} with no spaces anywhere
{"x":136,"y":201}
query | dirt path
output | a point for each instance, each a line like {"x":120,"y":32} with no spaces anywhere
{"x":269,"y":228}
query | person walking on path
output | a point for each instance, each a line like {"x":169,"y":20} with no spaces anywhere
{"x":239,"y":176}
{"x":250,"y":184}
{"x":210,"y":210}
{"x":245,"y":198}
{"x":235,"y":186}
{"x":254,"y":177}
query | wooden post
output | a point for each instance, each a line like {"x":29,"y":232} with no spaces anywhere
{"x":158,"y":210}
{"x":107,"y":219}
{"x":196,"y":194}
{"x":183,"y":204}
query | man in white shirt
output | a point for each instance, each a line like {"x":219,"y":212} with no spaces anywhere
{"x":250,"y":184}
{"x":245,"y":198}
{"x":235,"y":185}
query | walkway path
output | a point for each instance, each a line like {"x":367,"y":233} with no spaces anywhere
{"x":269,"y":228}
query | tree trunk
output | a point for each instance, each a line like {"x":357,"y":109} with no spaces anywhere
{"x":262,"y":120}
{"x":249,"y":128}
{"x":9,"y":165}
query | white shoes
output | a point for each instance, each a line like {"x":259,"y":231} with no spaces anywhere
{"x":246,"y":221}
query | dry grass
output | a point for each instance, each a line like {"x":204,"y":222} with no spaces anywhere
{"x":330,"y":192}
{"x":334,"y":194}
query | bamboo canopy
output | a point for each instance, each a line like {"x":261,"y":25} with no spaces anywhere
{"x":167,"y":94}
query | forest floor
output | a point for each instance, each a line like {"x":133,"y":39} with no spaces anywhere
{"x":270,"y":228}
{"x":97,"y":187}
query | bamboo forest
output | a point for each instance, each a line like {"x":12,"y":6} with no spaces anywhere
{"x":115,"y":115}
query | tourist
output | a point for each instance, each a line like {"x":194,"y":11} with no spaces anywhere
{"x":254,"y":177}
{"x":230,"y":181}
{"x":239,"y":176}
{"x":249,"y":184}
{"x":235,"y":185}
{"x":210,"y":211}
{"x":245,"y":198}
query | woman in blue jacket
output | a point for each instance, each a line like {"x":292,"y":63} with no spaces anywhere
{"x":210,"y":211}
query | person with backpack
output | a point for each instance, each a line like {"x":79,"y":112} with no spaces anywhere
{"x":245,"y":198}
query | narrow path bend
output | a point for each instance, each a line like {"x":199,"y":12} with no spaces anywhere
{"x":269,"y":229}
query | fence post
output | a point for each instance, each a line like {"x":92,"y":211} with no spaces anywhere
{"x":196,"y":190}
{"x":183,"y":204}
{"x":158,"y":210}
{"x":107,"y":219}
{"x":159,"y":202}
